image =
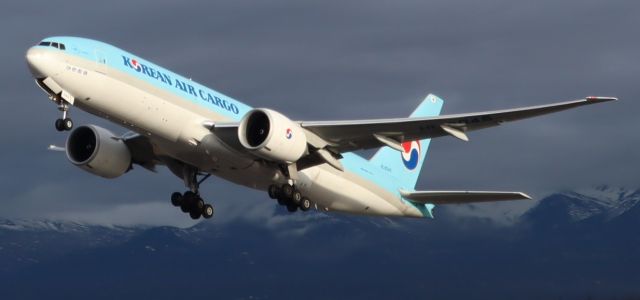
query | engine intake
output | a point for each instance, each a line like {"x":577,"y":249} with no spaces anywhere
{"x":272,"y":136}
{"x":98,"y":151}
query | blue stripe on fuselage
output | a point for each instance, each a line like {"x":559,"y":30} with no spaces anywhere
{"x":184,"y":88}
{"x":153,"y":74}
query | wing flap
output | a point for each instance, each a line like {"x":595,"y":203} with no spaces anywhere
{"x":461,"y":197}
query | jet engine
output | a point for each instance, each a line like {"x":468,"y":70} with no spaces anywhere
{"x":98,"y":151}
{"x":272,"y":136}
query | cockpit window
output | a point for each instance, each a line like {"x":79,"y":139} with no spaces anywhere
{"x":54,"y":45}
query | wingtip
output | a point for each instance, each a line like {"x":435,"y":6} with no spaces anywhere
{"x":525,"y":196}
{"x":601,"y":99}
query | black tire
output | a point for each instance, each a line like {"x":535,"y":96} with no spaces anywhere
{"x":296,"y":197}
{"x":305,"y":204}
{"x":59,"y":125}
{"x":67,"y":124}
{"x":287,"y":190}
{"x":187,"y":201}
{"x":176,"y":199}
{"x":273,"y":191}
{"x":198,"y":205}
{"x":292,"y":208}
{"x":207,"y":212}
{"x":184,"y":207}
{"x":195,"y":215}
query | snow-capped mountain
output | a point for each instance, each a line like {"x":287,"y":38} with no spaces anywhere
{"x":601,"y":201}
{"x":28,"y":242}
{"x":56,"y":226}
{"x":591,"y":205}
{"x":590,"y":232}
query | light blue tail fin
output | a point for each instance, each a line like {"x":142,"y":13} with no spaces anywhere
{"x":405,"y":166}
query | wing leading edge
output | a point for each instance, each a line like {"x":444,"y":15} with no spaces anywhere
{"x":345,"y":136}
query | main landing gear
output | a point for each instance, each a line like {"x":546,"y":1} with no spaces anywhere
{"x":65,"y":123}
{"x":287,"y":195}
{"x":190,"y":201}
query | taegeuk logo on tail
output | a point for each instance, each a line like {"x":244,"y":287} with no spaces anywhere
{"x":411,"y":154}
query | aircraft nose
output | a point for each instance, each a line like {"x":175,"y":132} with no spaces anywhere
{"x":35,"y":59}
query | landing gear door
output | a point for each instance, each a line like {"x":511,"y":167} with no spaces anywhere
{"x":101,"y":62}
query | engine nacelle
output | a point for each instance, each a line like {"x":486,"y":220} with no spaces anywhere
{"x":98,"y":151}
{"x":272,"y":136}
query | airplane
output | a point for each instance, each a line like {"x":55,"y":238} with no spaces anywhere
{"x":197,"y":132}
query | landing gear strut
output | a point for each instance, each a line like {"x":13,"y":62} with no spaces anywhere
{"x":288,"y":195}
{"x":65,"y":123}
{"x":190,"y":201}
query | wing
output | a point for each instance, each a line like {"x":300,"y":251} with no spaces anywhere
{"x":461,"y":197}
{"x":141,"y":151}
{"x":345,"y":136}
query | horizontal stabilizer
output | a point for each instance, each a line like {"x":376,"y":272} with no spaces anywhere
{"x":460,"y":197}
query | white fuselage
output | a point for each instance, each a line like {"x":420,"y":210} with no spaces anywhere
{"x":174,"y":126}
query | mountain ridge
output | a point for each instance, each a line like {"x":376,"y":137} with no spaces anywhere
{"x":548,"y":253}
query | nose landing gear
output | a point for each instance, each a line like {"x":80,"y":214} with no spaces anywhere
{"x":65,"y":123}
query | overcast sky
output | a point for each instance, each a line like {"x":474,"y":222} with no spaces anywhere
{"x":342,"y":60}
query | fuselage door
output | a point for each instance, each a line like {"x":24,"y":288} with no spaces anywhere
{"x":101,"y":61}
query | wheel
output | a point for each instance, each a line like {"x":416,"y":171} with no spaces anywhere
{"x":67,"y":124}
{"x":59,"y":125}
{"x":187,"y":200}
{"x":184,"y":207}
{"x":194,"y":214}
{"x":296,"y":197}
{"x":292,"y":208}
{"x":305,"y":204}
{"x":207,"y":212}
{"x":176,"y":199}
{"x":287,"y":190}
{"x":198,"y":205}
{"x":273,"y":191}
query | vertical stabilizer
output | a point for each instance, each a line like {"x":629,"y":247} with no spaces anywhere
{"x":404,"y":166}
